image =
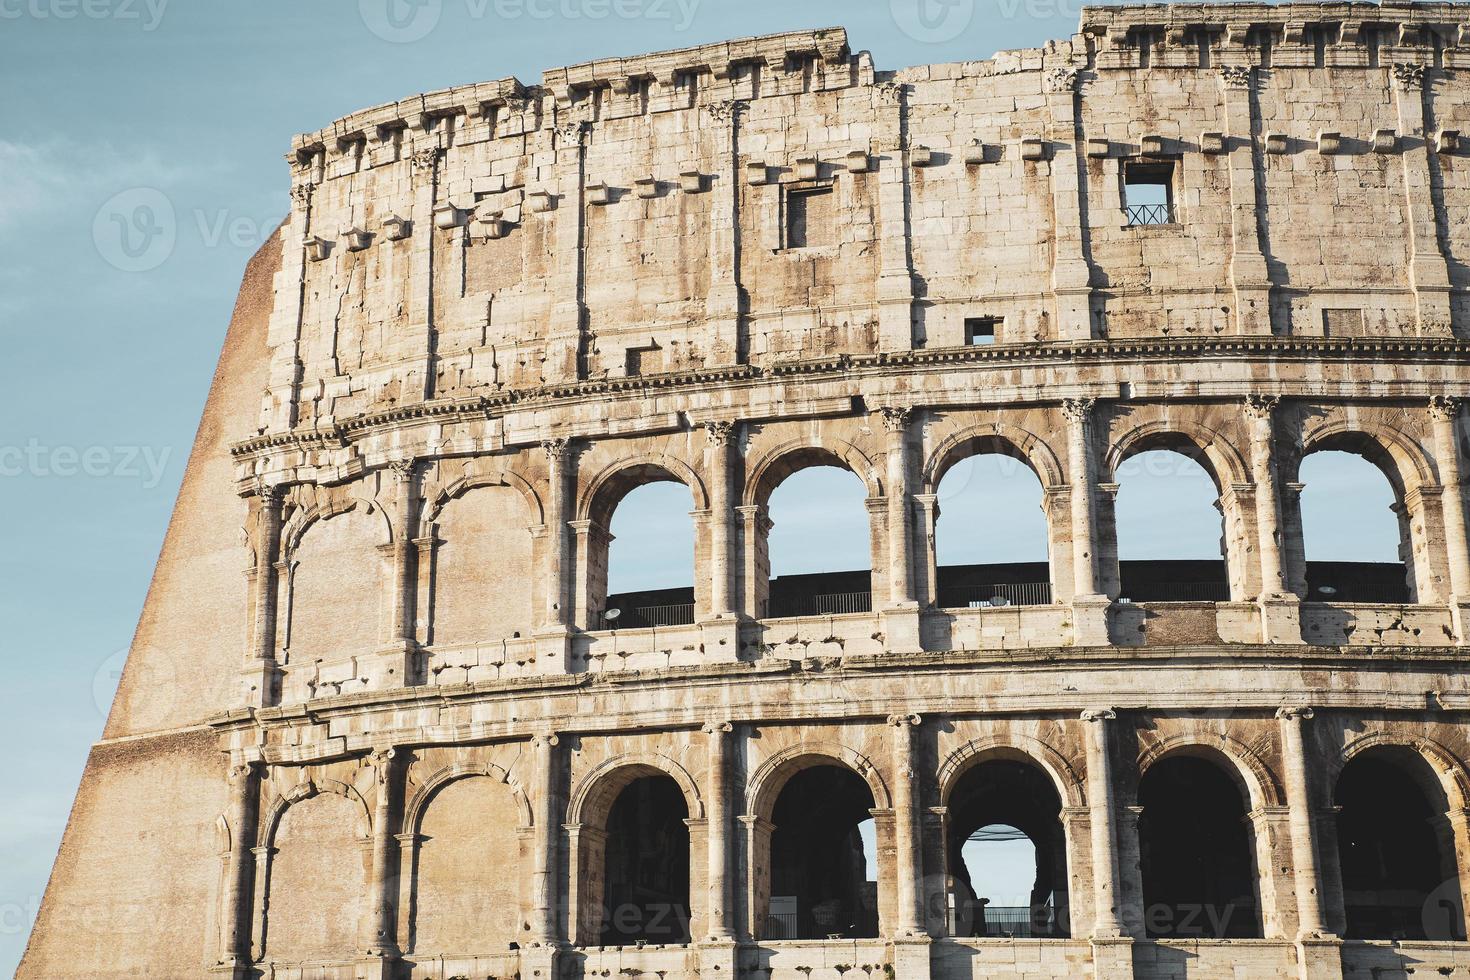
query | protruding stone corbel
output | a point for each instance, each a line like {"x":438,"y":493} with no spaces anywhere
{"x":317,"y":249}
{"x":1385,"y":141}
{"x":599,"y":194}
{"x":1447,"y":141}
{"x":1211,"y":143}
{"x":693,"y":182}
{"x":646,"y":187}
{"x":395,"y":229}
{"x":1099,"y":148}
{"x":975,"y":154}
{"x":1035,"y":148}
{"x":922,"y":156}
{"x":756,"y":173}
{"x":859,"y":162}
{"x":808,"y":168}
{"x":357,"y":238}
{"x":448,"y":216}
{"x":1328,"y":143}
{"x":1276,"y":143}
{"x":542,"y":200}
{"x":1152,"y":145}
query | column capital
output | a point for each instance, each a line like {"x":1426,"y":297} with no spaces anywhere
{"x":1408,"y":76}
{"x":243,"y":770}
{"x":1294,"y":712}
{"x":895,"y":417}
{"x":1078,"y":409}
{"x":401,"y":470}
{"x":717,"y":728}
{"x":1444,"y":408}
{"x":273,"y":494}
{"x":545,"y":740}
{"x":556,"y":449}
{"x":1062,"y":78}
{"x":1236,"y":76}
{"x":905,"y":721}
{"x":1260,"y":408}
{"x":719,"y":432}
{"x":1099,"y":714}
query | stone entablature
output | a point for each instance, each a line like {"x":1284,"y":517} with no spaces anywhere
{"x":634,"y":216}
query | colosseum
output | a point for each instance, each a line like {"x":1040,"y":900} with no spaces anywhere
{"x":417,"y":739}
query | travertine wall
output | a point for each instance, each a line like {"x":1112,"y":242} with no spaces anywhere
{"x":498,"y":309}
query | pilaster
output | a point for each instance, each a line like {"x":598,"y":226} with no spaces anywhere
{"x":1429,"y":275}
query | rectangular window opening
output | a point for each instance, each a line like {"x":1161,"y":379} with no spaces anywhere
{"x":1148,"y":192}
{"x":643,"y":360}
{"x":809,"y":218}
{"x":981,"y":331}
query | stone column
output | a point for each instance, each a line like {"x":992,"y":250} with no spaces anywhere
{"x":1446,"y":415}
{"x":1428,"y":272}
{"x":553,"y":639}
{"x":721,"y":520}
{"x":283,"y":336}
{"x":394,"y":665}
{"x":722,"y":306}
{"x":895,"y":276}
{"x":382,"y":941}
{"x":1090,"y":626}
{"x":928,"y":591}
{"x":1249,"y":278}
{"x":569,"y":314}
{"x":1071,"y":275}
{"x":718,"y":919}
{"x":418,"y":345}
{"x":1260,"y":410}
{"x":1103,"y":821}
{"x":1280,"y":609}
{"x":1311,"y":923}
{"x":244,"y":818}
{"x":907,"y":827}
{"x":260,"y":670}
{"x":1078,"y":413}
{"x":544,"y":930}
{"x":900,"y":559}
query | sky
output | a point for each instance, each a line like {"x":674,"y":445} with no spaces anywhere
{"x":177,"y":113}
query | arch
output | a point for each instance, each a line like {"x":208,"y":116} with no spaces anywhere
{"x":504,"y":477}
{"x":1251,"y":774}
{"x":600,"y":787}
{"x":1397,"y":455}
{"x":771,"y":776}
{"x":1204,"y":445}
{"x":1016,"y":748}
{"x":768,"y":472}
{"x":993,"y":437}
{"x":418,"y":804}
{"x":607,"y":488}
{"x":1452,"y":782}
{"x":305,"y":791}
{"x":334,"y":505}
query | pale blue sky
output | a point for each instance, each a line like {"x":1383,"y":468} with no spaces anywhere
{"x":192,"y":105}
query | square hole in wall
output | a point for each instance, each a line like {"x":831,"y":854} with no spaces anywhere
{"x":644,"y":360}
{"x":981,"y":330}
{"x":1148,"y":192}
{"x":810,"y":217}
{"x":1342,"y":323}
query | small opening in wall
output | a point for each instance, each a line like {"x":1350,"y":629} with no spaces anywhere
{"x":1372,"y":40}
{"x":981,"y":330}
{"x":1319,"y":46}
{"x":643,"y":360}
{"x":809,"y":218}
{"x":1203,"y":39}
{"x":1148,"y":192}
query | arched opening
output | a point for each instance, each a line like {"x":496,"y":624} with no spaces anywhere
{"x":467,"y":877}
{"x":316,"y":881}
{"x":820,"y":543}
{"x":1170,"y":527}
{"x":648,"y":549}
{"x":646,"y":865}
{"x":335,"y":577}
{"x":824,"y":879}
{"x":1343,"y":489}
{"x":990,"y":535}
{"x":473,"y":600}
{"x":1195,"y":853}
{"x":1395,"y":849}
{"x":1007,"y":853}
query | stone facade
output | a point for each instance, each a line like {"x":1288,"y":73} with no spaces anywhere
{"x":406,"y":743}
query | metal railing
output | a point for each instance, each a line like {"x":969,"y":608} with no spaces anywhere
{"x":831,"y":604}
{"x":1150,"y":214}
{"x":1180,"y":592}
{"x":1002,"y":594}
{"x":781,"y":925}
{"x":680,"y":614}
{"x":1011,"y":922}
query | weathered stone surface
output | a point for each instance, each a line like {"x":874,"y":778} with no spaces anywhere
{"x":400,"y":745}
